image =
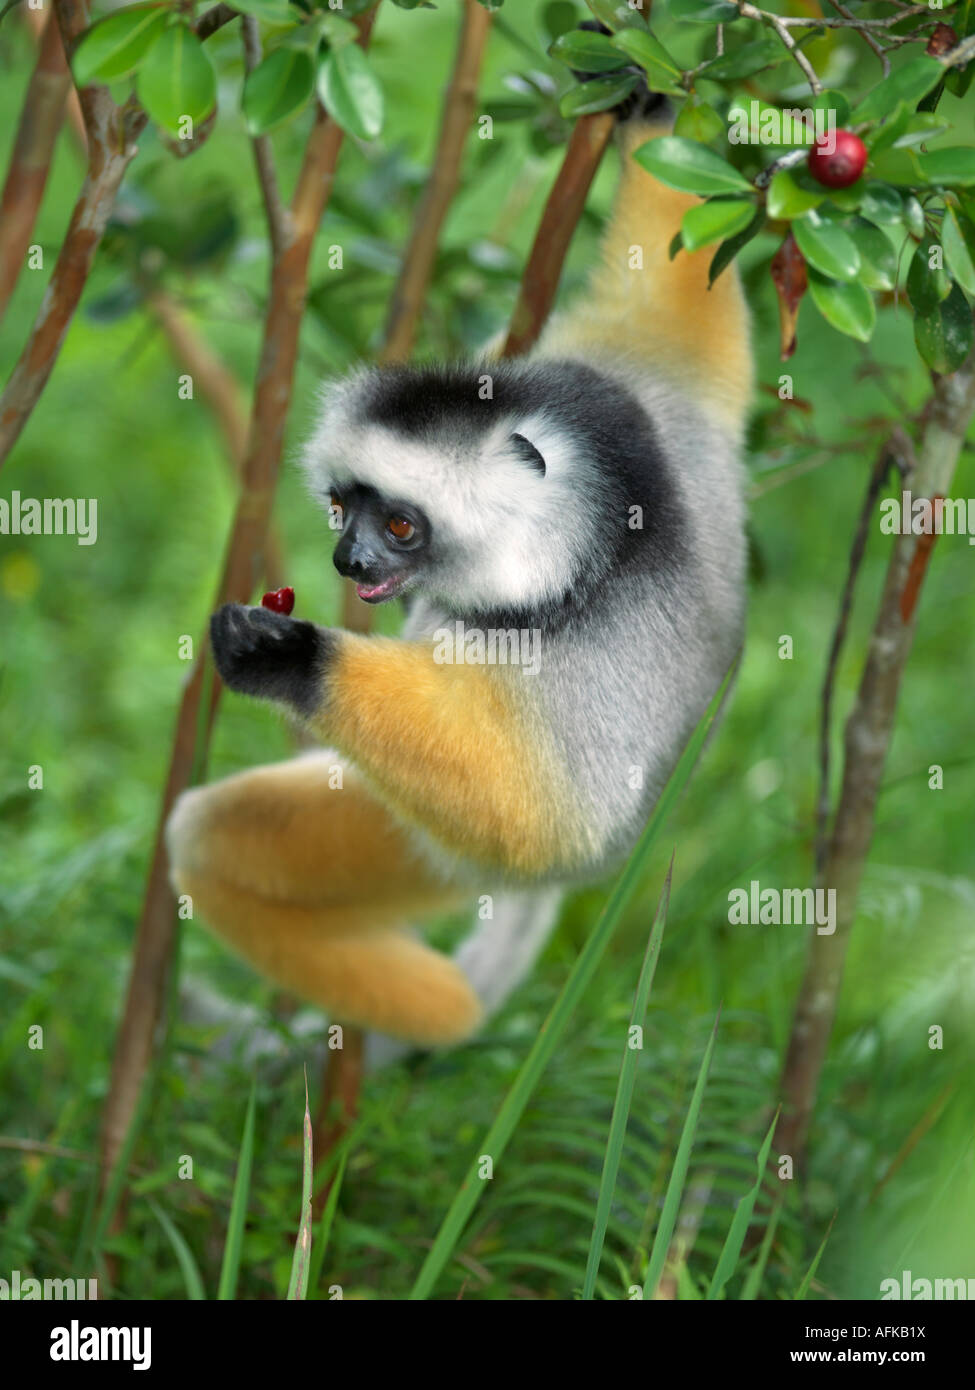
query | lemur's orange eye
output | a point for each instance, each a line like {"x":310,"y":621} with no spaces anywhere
{"x":400,"y":528}
{"x":335,"y":502}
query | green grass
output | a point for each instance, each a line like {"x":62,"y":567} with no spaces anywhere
{"x":89,"y":683}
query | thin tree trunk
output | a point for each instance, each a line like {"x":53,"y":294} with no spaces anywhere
{"x":242,"y":565}
{"x":562,"y":212}
{"x":869,"y":732}
{"x":458,"y":108}
{"x":111,"y":132}
{"x":30,"y":159}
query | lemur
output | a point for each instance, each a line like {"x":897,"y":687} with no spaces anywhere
{"x":592,"y":493}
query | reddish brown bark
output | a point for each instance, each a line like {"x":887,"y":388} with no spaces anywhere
{"x":242,"y":567}
{"x":30,"y":159}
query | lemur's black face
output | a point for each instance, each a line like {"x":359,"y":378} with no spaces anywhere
{"x":384,"y":541}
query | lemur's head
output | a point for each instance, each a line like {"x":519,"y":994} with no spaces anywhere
{"x":484,"y":487}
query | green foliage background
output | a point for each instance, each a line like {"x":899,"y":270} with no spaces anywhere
{"x":89,"y":683}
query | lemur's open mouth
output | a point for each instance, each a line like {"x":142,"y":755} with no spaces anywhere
{"x":376,"y":593}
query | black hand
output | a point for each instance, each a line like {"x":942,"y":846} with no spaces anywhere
{"x":263,"y":653}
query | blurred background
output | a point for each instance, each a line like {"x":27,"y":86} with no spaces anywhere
{"x":90,"y":680}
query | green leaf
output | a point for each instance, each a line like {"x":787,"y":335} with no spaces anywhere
{"x":690,"y":167}
{"x":826,"y":247}
{"x":274,"y":11}
{"x":741,"y":1221}
{"x":189,"y":1269}
{"x":749,"y":59}
{"x":908,"y":83}
{"x":350,"y":92}
{"x":301,"y":1259}
{"x":678,"y":1176}
{"x":715,"y":220}
{"x":786,"y":198}
{"x":848,"y":307}
{"x":878,"y":260}
{"x":810,"y":1274}
{"x":230,"y":1266}
{"x":176,"y":79}
{"x":881,"y":204}
{"x":601,"y":94}
{"x":954,"y":167}
{"x":835,"y":104}
{"x":617,"y":14}
{"x":884,"y":135}
{"x":958,"y":240}
{"x":897,"y":166}
{"x":647,"y":52}
{"x":913,"y":216}
{"x":624,"y":1093}
{"x":923,"y":126}
{"x":587,"y":52}
{"x":944,"y":336}
{"x":703,"y":11}
{"x":729,"y":249}
{"x":698,"y":121}
{"x":277,"y":88}
{"x":927,"y":284}
{"x":116,"y":46}
{"x":558,"y":17}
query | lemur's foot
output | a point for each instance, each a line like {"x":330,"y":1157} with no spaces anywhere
{"x":259,"y":652}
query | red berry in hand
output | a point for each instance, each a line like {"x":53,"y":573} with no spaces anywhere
{"x":840,"y":166}
{"x":279,"y":601}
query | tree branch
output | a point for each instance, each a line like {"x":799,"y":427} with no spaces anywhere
{"x":458,"y":108}
{"x":895,"y":449}
{"x":275,"y":375}
{"x":30,"y":159}
{"x":275,"y":210}
{"x":869,"y":731}
{"x":111,"y":131}
{"x":563,"y":209}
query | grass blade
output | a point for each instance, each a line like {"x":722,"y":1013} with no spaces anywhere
{"x":624,"y":1092}
{"x":755,"y":1275}
{"x":328,"y":1215}
{"x":803,"y":1288}
{"x":238,"y":1207}
{"x":678,"y":1175}
{"x":188,"y":1266}
{"x":513,"y":1105}
{"x":298,"y":1285}
{"x":740,"y":1222}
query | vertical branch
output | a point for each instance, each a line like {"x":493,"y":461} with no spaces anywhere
{"x":458,"y":108}
{"x":30,"y":158}
{"x":111,"y":134}
{"x":276,"y":212}
{"x":242,"y":563}
{"x":562,"y":212}
{"x":224,"y":395}
{"x":869,"y":731}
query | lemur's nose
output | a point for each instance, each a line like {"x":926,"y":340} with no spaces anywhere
{"x":353,"y":559}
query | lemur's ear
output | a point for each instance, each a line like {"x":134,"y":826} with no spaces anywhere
{"x":527,"y":452}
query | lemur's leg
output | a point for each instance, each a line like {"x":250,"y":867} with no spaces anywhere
{"x":312,"y":885}
{"x":699,"y":337}
{"x":451,"y":748}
